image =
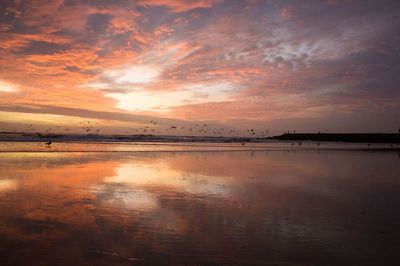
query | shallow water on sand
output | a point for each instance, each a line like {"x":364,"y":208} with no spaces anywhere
{"x":124,"y":146}
{"x":276,"y":206}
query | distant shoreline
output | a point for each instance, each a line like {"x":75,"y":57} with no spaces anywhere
{"x":39,"y":137}
{"x":341,"y":137}
{"x":318,"y":137}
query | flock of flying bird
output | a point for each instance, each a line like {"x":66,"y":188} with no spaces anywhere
{"x":198,"y":128}
{"x":201,"y":128}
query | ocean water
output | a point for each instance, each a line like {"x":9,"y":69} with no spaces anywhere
{"x":86,"y":203}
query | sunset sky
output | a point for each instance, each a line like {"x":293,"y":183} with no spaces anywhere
{"x":315,"y":65}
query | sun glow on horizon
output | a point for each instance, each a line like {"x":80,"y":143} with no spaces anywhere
{"x":161,"y":101}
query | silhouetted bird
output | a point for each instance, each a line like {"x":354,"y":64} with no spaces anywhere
{"x":48,"y":143}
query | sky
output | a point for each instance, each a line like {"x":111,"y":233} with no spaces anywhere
{"x":272,"y":66}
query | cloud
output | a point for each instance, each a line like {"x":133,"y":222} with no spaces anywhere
{"x":7,"y":87}
{"x":41,"y":48}
{"x":88,"y":114}
{"x":98,"y":22}
{"x":179,"y":5}
{"x":133,"y":74}
{"x":226,"y":60}
{"x":287,"y":12}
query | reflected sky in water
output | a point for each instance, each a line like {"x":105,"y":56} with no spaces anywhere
{"x":220,"y":207}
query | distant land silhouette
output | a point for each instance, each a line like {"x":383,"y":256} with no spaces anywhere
{"x":342,"y":137}
{"x":318,"y":137}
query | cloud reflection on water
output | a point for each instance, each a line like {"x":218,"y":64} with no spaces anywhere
{"x":203,"y":207}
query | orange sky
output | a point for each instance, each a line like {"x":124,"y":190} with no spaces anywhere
{"x":328,"y":66}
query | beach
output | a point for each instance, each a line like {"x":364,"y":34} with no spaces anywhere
{"x":198,"y":203}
